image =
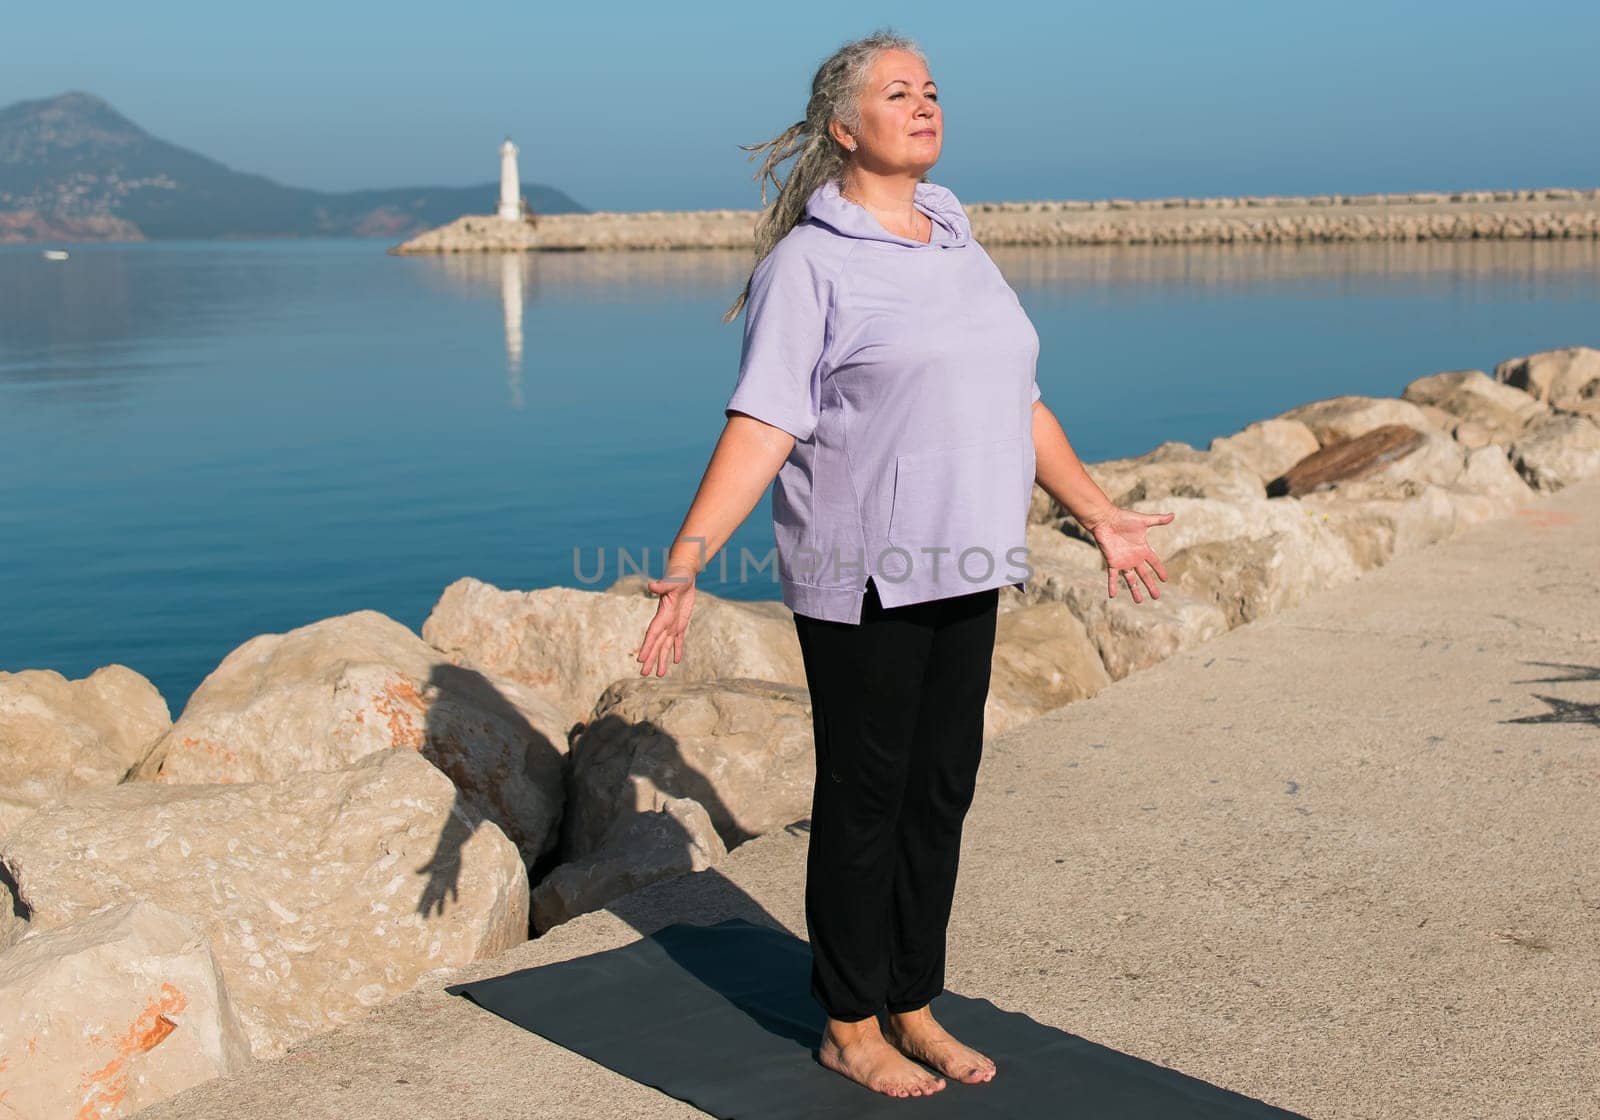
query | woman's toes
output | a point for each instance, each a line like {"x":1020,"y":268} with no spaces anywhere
{"x":907,"y":1085}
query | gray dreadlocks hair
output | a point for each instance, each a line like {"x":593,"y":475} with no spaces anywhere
{"x":835,"y":89}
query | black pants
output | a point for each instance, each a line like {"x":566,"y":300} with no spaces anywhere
{"x":897,"y":715}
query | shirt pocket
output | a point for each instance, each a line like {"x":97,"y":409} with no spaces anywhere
{"x":957,"y":498}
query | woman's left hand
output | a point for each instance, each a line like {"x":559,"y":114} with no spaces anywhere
{"x":1120,"y":535}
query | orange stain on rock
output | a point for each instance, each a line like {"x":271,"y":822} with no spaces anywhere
{"x":399,"y":704}
{"x":107,"y":1086}
{"x":191,"y":743}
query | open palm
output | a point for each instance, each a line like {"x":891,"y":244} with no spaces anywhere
{"x":663,"y":638}
{"x":1121,"y":540}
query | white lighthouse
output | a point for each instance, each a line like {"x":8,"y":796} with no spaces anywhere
{"x":510,"y":183}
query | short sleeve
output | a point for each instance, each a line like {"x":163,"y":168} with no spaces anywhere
{"x":785,"y":333}
{"x":1036,"y":393}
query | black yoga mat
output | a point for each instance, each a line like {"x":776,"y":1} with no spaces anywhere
{"x":722,"y":1017}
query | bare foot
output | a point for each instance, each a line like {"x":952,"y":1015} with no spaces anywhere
{"x":917,"y":1035}
{"x":860,"y":1052}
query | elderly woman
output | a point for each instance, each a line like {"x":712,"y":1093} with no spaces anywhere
{"x":887,"y":384}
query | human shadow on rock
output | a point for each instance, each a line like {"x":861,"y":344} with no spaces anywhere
{"x":503,"y":769}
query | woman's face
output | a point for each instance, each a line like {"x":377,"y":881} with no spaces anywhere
{"x":902,"y":126}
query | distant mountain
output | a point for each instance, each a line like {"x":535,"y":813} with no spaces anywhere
{"x":73,"y":168}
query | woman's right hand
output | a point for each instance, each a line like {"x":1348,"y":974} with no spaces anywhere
{"x":666,"y":630}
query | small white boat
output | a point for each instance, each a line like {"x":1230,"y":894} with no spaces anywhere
{"x":54,"y":254}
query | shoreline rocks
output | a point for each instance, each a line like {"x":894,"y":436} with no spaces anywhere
{"x":740,"y":747}
{"x":59,"y":736}
{"x":321,"y":895}
{"x":638,"y":849}
{"x":571,"y":644}
{"x":326,"y":695}
{"x":1556,"y":213}
{"x":112,"y":1012}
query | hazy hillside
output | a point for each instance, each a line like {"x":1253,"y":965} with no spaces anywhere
{"x":73,"y":168}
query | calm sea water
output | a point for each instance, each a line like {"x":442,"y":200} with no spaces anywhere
{"x":201,"y":442}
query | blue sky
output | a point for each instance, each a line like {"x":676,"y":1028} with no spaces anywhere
{"x":635,"y":106}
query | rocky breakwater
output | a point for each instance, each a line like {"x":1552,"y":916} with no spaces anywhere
{"x":1419,"y":216}
{"x":348,"y":809}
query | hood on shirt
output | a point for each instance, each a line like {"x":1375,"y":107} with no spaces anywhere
{"x":844,"y":217}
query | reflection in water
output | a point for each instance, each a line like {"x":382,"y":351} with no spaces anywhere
{"x":515,"y":276}
{"x":624,"y":274}
{"x":90,"y":330}
{"x":78,"y":331}
{"x":1213,"y":267}
{"x":619,"y":275}
{"x":1045,"y":276}
{"x":592,"y":277}
{"x":511,"y":304}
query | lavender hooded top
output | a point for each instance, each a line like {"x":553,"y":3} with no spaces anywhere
{"x":905,"y":372}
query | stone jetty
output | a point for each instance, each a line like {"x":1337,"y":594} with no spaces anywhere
{"x":1309,"y":840}
{"x":1551,"y":213}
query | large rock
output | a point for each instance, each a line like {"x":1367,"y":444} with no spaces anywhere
{"x":1250,"y":559}
{"x":1481,"y":480}
{"x":571,"y":644}
{"x":741,"y":748}
{"x":1443,"y":420}
{"x":59,"y":736}
{"x":1250,"y":577}
{"x":1340,"y":418}
{"x":1485,"y":409}
{"x":1128,"y":636}
{"x":326,"y":695}
{"x":1203,"y":520}
{"x":322,"y":895}
{"x":1375,"y":530}
{"x":1390,"y":514}
{"x":1487,"y":472}
{"x":1044,"y":658}
{"x":1057,"y":554}
{"x":1558,"y":450}
{"x":637,"y":850}
{"x":117,"y":1010}
{"x":1175,"y":469}
{"x":1568,"y":378}
{"x":1267,"y":447}
{"x":1348,"y":459}
{"x":1331,"y":535}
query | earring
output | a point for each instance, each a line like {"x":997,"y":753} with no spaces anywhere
{"x":852,"y":147}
